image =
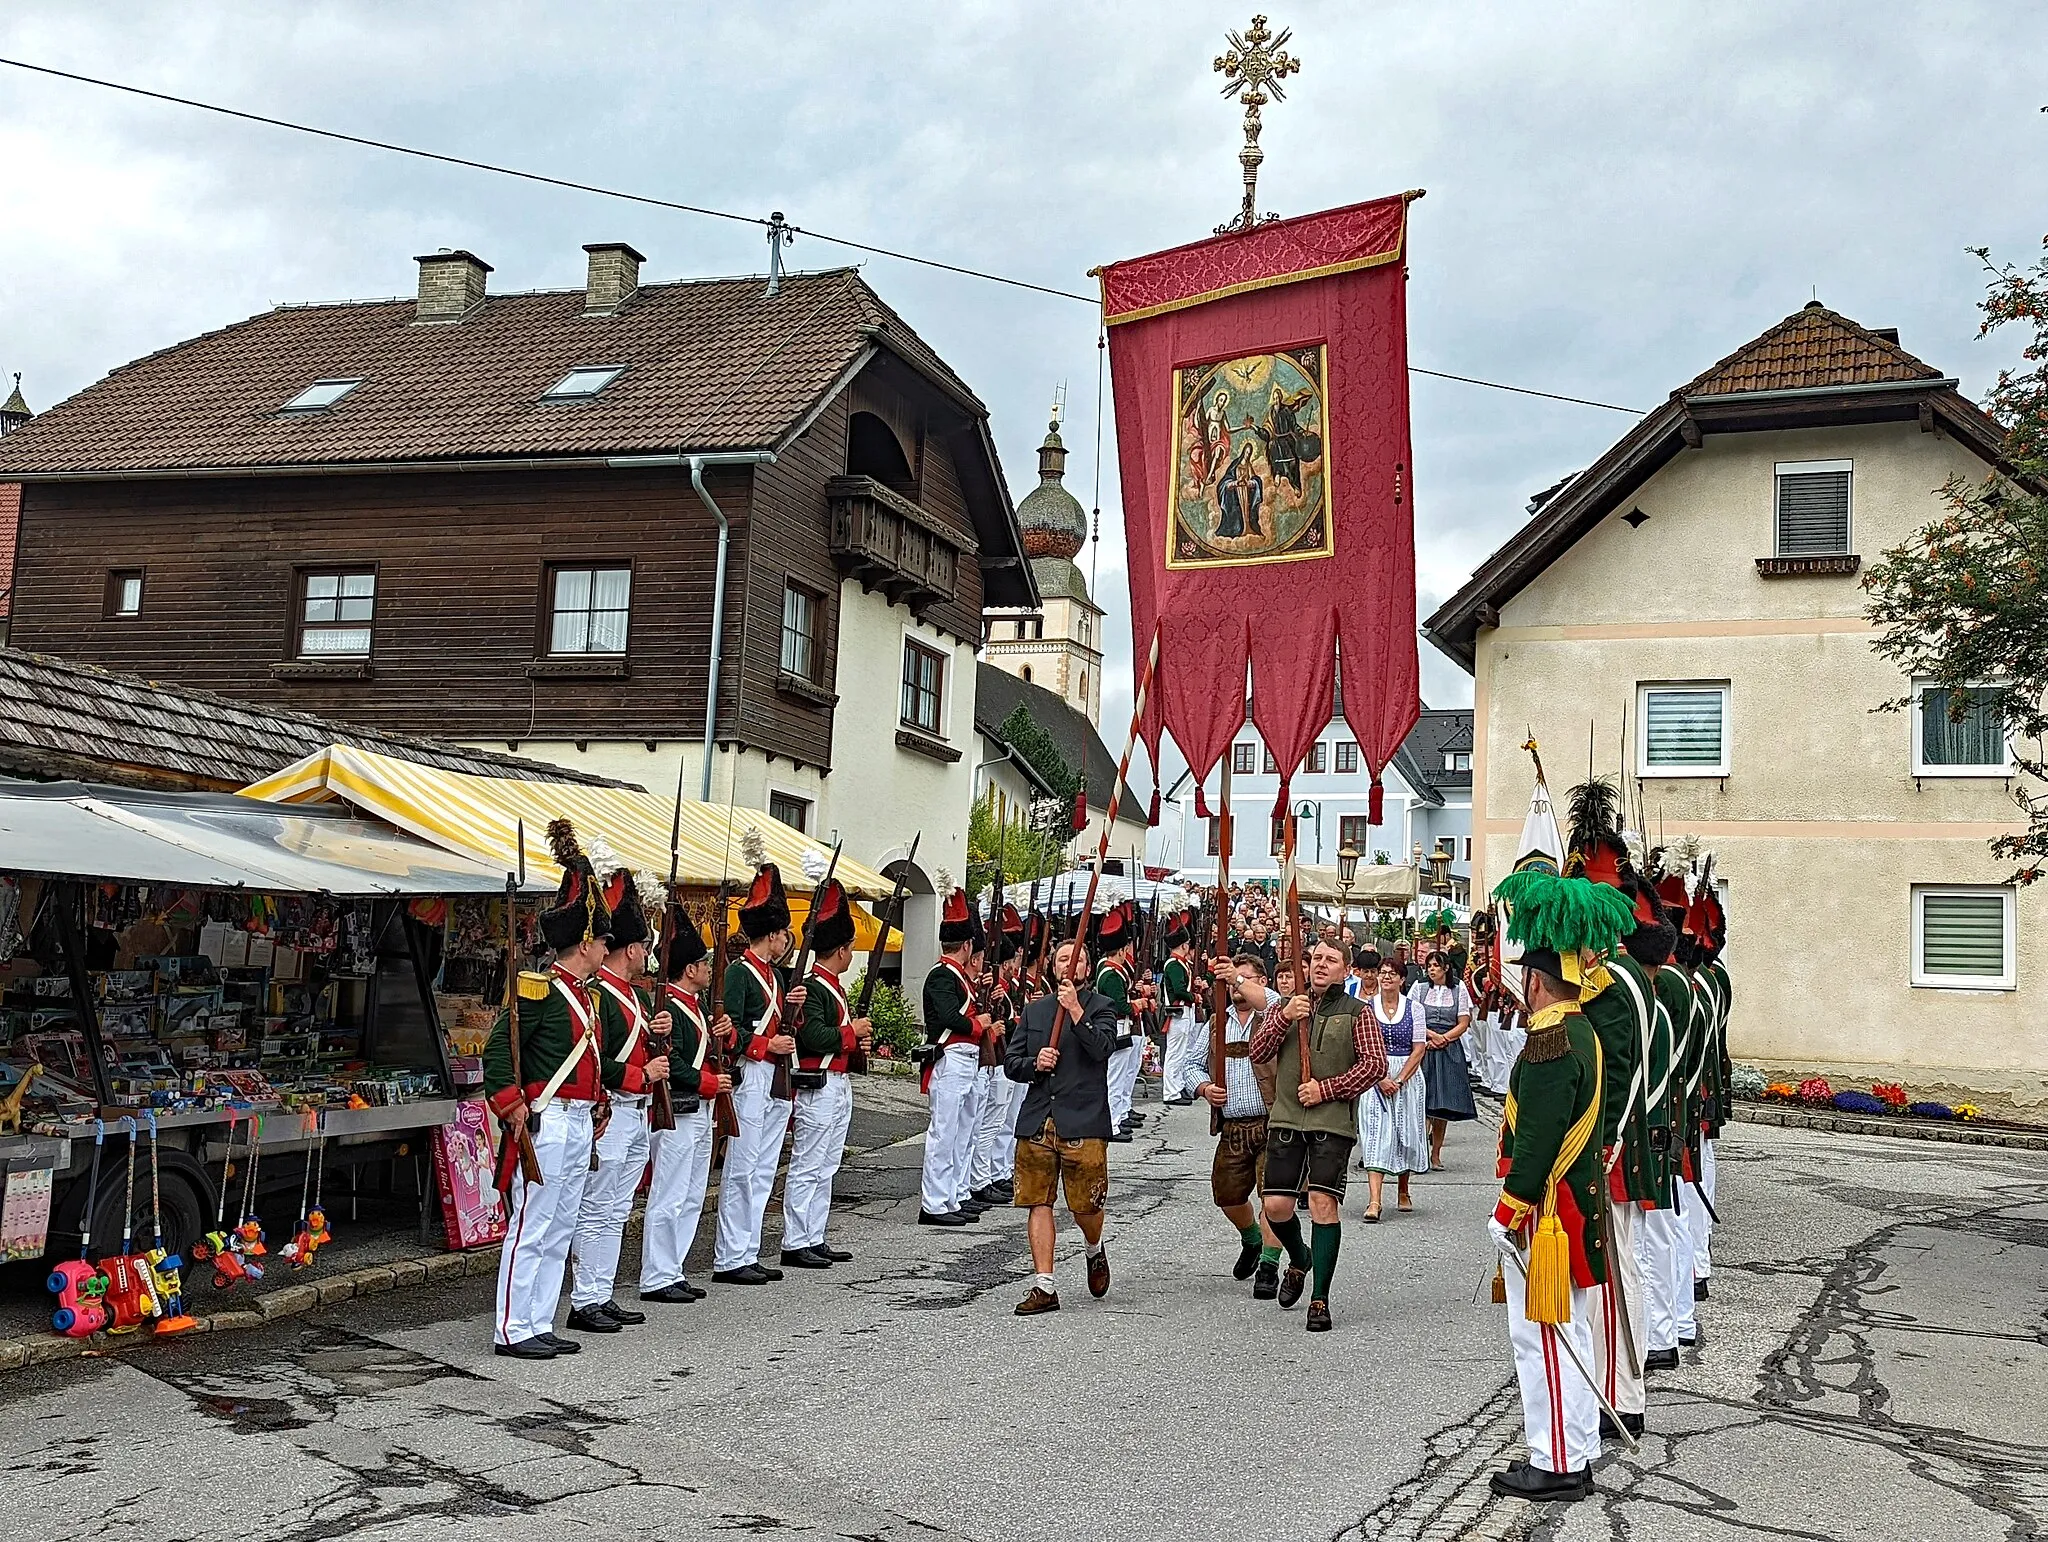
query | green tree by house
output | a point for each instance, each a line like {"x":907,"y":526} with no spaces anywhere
{"x":1964,"y":601}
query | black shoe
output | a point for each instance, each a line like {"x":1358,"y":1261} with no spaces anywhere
{"x":987,"y":1197}
{"x":1633,"y":1423}
{"x":1661,"y":1360}
{"x":1121,"y":1137}
{"x":560,"y":1346}
{"x":1533,"y":1483}
{"x":526,"y":1349}
{"x":1266,"y":1283}
{"x":1136,"y":1118}
{"x":674,"y":1295}
{"x":1291,"y":1284}
{"x":973,"y":1206}
{"x":746,"y":1274}
{"x":769,"y":1270}
{"x":1004,"y":1190}
{"x":1319,"y":1317}
{"x":804,"y":1258}
{"x":621,"y":1315}
{"x":934,"y":1218}
{"x":1688,"y":1343}
{"x":1180,"y":1100}
{"x":836,"y":1255}
{"x":593,"y":1319}
{"x":1247,"y":1261}
{"x":1699,"y":1290}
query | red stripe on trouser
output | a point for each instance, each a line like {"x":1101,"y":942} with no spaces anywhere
{"x":1561,"y":1462}
{"x":512,"y":1261}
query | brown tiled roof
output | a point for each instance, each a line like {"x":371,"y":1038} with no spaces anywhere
{"x":709,"y":365}
{"x":1813,"y":346}
{"x":64,"y":719}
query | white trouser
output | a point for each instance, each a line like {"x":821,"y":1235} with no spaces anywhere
{"x":949,"y":1139}
{"x":1177,"y":1075}
{"x":995,"y":1129}
{"x":822,"y":1117}
{"x":1683,"y":1315}
{"x":1620,"y":1372}
{"x":1656,"y":1243}
{"x":608,"y":1200}
{"x":675,"y":1197}
{"x":1560,"y":1416}
{"x":750,"y":1160}
{"x":1123,"y":1079}
{"x":542,"y":1223}
{"x":1698,"y":1222}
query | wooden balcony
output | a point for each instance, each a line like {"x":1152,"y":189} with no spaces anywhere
{"x":890,"y":543}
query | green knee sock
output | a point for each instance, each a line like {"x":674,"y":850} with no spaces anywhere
{"x":1270,"y":1255}
{"x":1249,"y":1235}
{"x":1326,"y":1239}
{"x":1289,"y":1233}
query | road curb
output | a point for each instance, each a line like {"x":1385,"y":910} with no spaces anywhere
{"x":1959,"y":1133}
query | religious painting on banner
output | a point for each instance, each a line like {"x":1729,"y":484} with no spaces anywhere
{"x":1261,"y":389}
{"x":1248,"y":458}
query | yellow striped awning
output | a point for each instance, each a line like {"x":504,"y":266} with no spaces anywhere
{"x":479,"y":817}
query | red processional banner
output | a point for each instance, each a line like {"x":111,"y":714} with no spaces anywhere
{"x":1261,"y":382}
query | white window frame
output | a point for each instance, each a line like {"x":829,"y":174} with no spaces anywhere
{"x":1697,"y":772}
{"x":1794,"y":468}
{"x":1922,"y":980}
{"x":2001,"y":772}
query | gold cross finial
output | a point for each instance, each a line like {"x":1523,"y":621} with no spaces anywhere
{"x":1256,"y":63}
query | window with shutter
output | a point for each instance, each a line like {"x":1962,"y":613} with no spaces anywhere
{"x":1959,"y":733}
{"x":1963,"y":938}
{"x":1813,"y":508}
{"x":1684,"y":730}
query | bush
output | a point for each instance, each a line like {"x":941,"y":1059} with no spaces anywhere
{"x":896,"y":1029}
{"x":1891,"y":1094}
{"x":1746,"y":1082}
{"x":1815,"y":1090}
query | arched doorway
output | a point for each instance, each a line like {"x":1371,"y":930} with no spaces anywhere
{"x":873,"y":450}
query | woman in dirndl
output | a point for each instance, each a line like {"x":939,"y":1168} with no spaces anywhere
{"x":1446,"y":1076}
{"x":1391,"y":1137}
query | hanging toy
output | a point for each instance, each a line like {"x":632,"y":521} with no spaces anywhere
{"x":77,"y":1285}
{"x":312,"y":1234}
{"x":128,"y":1295}
{"x":249,"y":1235}
{"x":223,"y":1247}
{"x":164,"y":1266}
{"x":214,"y":1243}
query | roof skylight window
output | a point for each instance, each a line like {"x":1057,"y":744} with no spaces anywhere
{"x":321,"y":394}
{"x":582,"y":384}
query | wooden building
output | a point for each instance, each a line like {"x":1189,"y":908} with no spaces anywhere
{"x":497,"y":519}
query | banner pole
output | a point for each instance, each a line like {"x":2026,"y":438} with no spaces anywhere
{"x":1123,"y":767}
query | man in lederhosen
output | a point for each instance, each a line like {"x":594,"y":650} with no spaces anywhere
{"x":628,"y":1027}
{"x":755,"y":1001}
{"x":1240,"y":1094}
{"x":556,"y":1103}
{"x":682,"y":1156}
{"x":824,"y":1094}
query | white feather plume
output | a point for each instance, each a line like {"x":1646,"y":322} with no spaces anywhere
{"x":753,"y":848}
{"x":815,"y":865}
{"x":1681,"y":856}
{"x":942,"y":881}
{"x":653,"y":892}
{"x":603,"y":860}
{"x":1638,"y":853}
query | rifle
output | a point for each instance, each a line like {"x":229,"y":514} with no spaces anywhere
{"x":778,"y":1084}
{"x":984,"y":995}
{"x":725,"y":1119}
{"x":857,"y":1061}
{"x":1038,"y":946}
{"x":661,"y":1108}
{"x":517,"y":1137}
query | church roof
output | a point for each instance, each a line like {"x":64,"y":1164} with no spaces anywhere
{"x":1052,"y":519}
{"x":1058,"y":578}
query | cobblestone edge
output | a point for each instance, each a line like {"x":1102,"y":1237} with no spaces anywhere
{"x":1955,"y":1133}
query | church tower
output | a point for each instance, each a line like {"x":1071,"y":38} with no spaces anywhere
{"x":1059,"y":645}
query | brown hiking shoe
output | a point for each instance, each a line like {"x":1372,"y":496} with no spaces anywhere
{"x":1098,"y":1273}
{"x":1292,"y":1281}
{"x":1038,"y":1301}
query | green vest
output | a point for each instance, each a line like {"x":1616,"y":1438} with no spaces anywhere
{"x":1332,"y":1050}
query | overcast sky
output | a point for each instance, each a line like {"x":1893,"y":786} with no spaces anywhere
{"x":1618,"y":193}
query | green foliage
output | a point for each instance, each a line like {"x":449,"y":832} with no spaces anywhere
{"x":1383,"y":859}
{"x":1025,"y":853}
{"x":1964,"y":600}
{"x":1023,"y":733}
{"x":895,"y":1024}
{"x":1387,"y":929}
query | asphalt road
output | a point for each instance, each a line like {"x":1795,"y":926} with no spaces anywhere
{"x":1871,"y":1365}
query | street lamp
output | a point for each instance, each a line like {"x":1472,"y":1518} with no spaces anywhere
{"x":1347,"y":873}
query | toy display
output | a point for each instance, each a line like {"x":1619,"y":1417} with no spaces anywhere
{"x":165,"y":1267}
{"x":312,"y":1233}
{"x":127,"y":1294}
{"x":77,"y":1285}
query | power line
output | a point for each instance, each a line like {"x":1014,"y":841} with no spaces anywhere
{"x":682,"y":208}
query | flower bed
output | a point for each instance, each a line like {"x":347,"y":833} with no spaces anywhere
{"x":1883,"y":1098}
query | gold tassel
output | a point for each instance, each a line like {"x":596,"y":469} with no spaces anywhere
{"x":1550,"y":1273}
{"x":1500,"y":1287}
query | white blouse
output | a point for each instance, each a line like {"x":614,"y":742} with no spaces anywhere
{"x":1443,"y":996}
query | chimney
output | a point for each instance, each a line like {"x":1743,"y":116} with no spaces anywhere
{"x":614,"y":276}
{"x":451,"y":286}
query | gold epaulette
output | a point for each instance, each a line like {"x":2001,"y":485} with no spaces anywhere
{"x":532,"y":986}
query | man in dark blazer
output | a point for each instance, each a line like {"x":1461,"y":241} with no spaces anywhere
{"x":1063,"y":1128}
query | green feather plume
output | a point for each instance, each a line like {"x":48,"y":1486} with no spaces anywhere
{"x":1564,"y":914}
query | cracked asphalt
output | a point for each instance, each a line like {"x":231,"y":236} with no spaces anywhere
{"x":1871,"y":1365}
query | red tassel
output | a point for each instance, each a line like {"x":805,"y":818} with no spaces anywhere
{"x":1081,"y":810}
{"x":1280,"y":804}
{"x":1202,"y":803}
{"x":1152,"y":815}
{"x":1378,"y":812}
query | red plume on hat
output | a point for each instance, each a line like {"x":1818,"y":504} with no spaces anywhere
{"x":956,"y":920}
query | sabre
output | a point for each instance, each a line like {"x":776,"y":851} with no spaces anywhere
{"x":1514,"y":1255}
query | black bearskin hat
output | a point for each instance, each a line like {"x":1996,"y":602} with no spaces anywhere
{"x":686,"y":945}
{"x":956,"y":920}
{"x":578,"y":913}
{"x":830,"y":927}
{"x":766,"y":910}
